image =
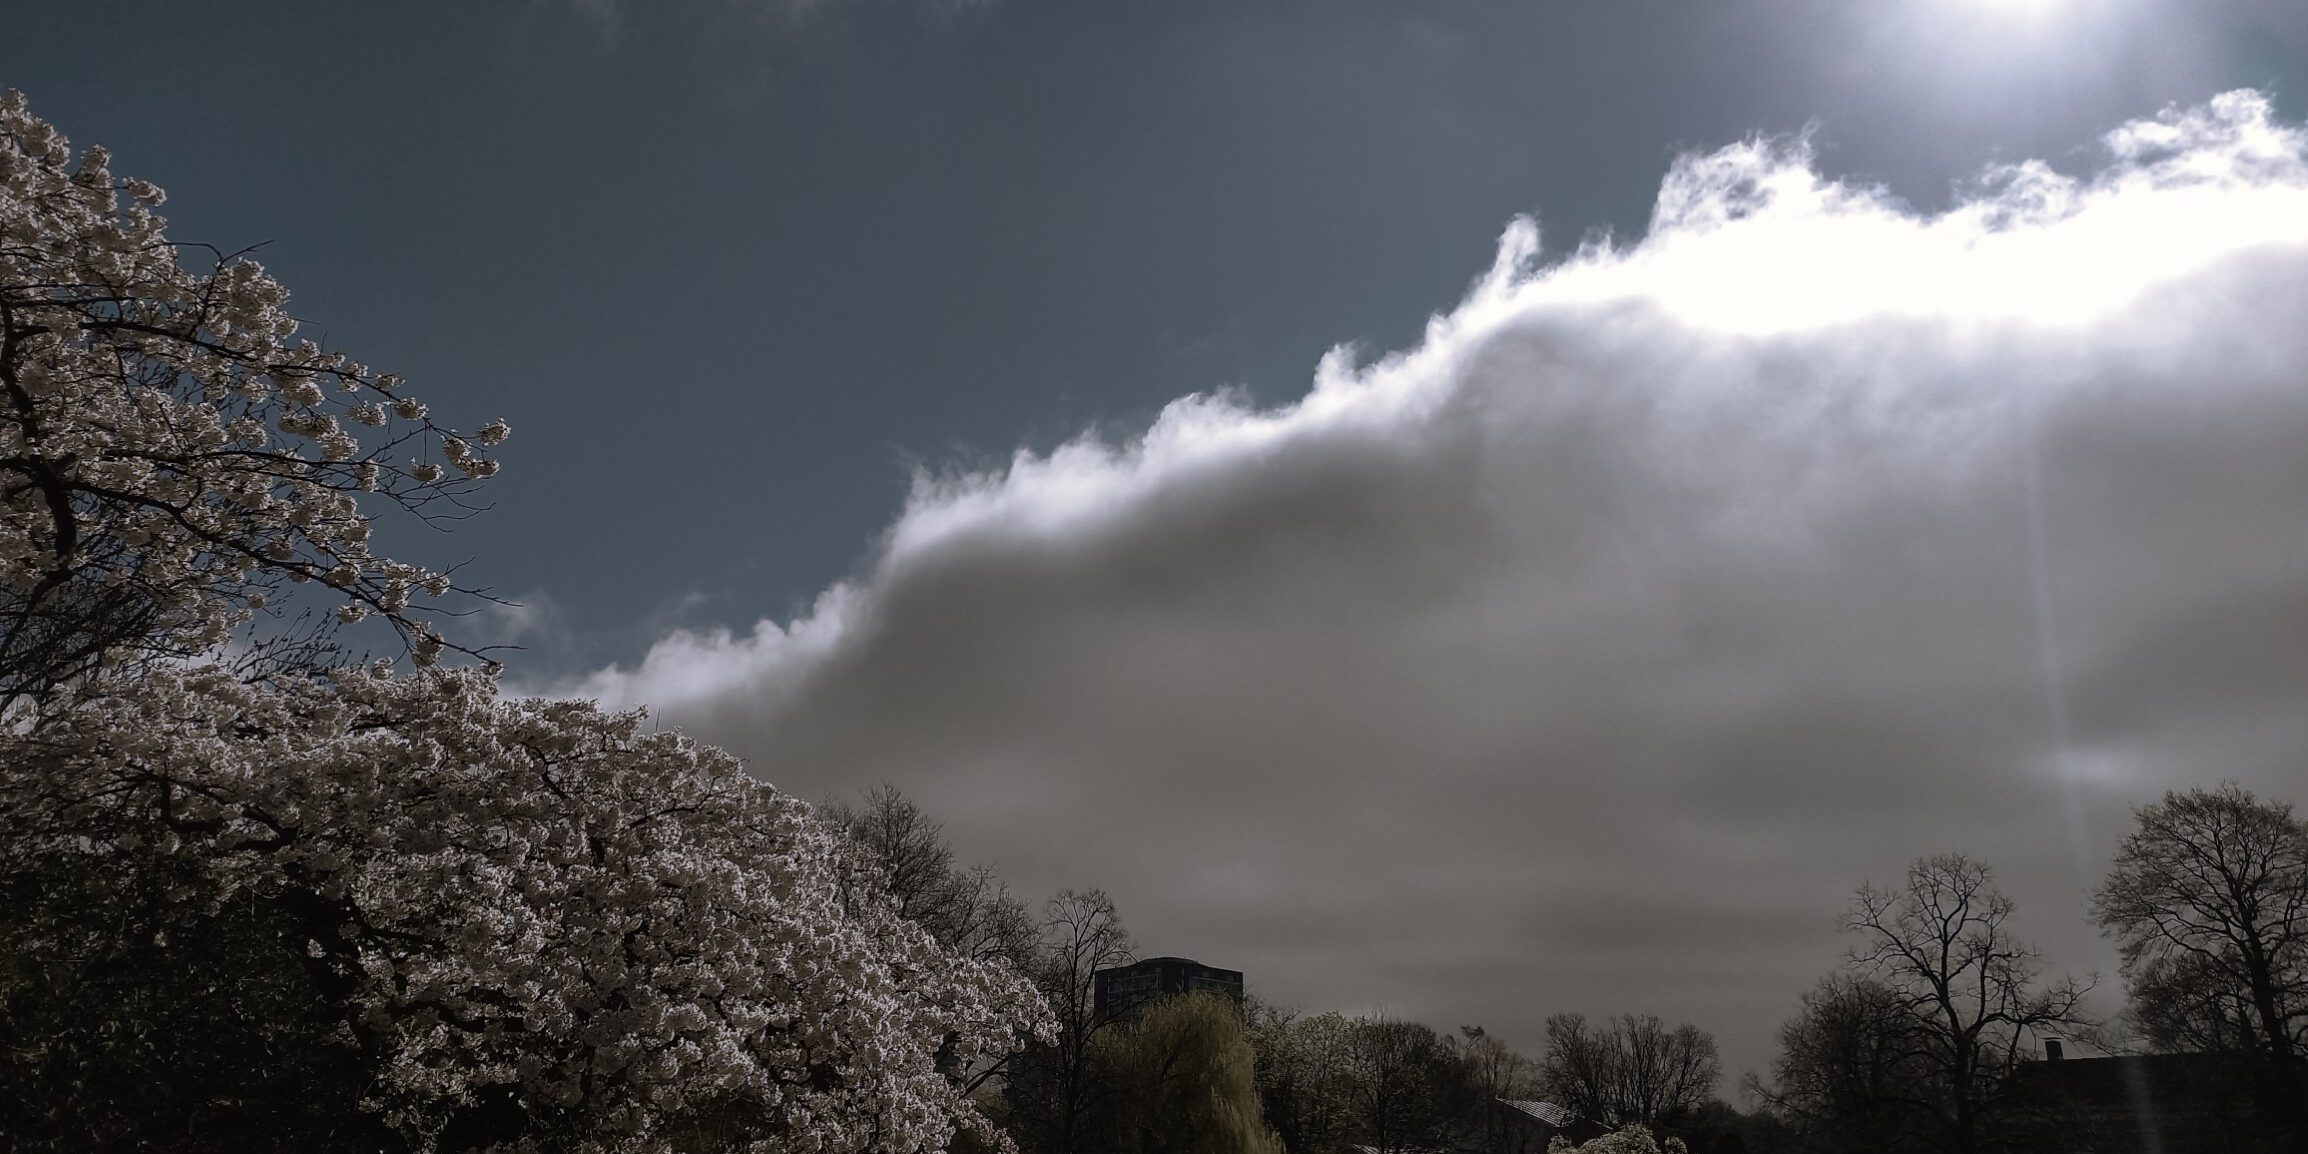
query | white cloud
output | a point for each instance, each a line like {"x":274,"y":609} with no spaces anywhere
{"x":1585,"y":655}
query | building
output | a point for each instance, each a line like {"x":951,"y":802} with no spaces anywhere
{"x":1524,"y":1126}
{"x":2153,"y":1104}
{"x":1125,"y":991}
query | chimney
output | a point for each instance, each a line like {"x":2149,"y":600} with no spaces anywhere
{"x":2052,"y":1050}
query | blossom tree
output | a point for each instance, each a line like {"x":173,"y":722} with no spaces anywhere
{"x":284,"y":905}
{"x":1633,"y":1138}
{"x":540,"y":922}
{"x":170,"y":451}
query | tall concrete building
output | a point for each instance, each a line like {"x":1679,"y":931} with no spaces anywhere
{"x":1125,"y":991}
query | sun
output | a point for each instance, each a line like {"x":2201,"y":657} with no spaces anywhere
{"x":2027,"y":8}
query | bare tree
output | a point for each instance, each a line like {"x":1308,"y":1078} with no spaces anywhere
{"x":1854,"y":1071}
{"x":1632,"y":1070}
{"x":1493,"y":1071}
{"x":906,"y":846}
{"x":1942,"y":948}
{"x":969,"y":911}
{"x":1577,"y":1069}
{"x":1305,"y":1072}
{"x":2186,"y":1004}
{"x":2208,"y":902}
{"x":1402,"y":1078}
{"x":1667,"y":1071}
{"x":1053,"y":1090}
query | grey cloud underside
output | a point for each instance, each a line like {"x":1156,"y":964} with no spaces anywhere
{"x":1586,"y":657}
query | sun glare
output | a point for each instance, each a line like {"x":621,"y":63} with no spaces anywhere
{"x":2028,"y":8}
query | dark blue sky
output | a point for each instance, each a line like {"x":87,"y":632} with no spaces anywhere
{"x":732,"y":269}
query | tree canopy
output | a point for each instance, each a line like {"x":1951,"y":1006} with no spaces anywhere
{"x":343,"y":905}
{"x":1630,"y":1070}
{"x":2208,"y":902}
{"x":1182,"y":1081}
{"x":1914,"y":1044}
{"x":172,"y":452}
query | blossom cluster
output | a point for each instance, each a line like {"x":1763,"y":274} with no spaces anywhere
{"x":170,"y":450}
{"x":641,"y":941}
{"x":1632,"y":1139}
{"x":611,"y":937}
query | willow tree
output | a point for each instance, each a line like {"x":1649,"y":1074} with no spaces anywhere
{"x":1181,"y":1082}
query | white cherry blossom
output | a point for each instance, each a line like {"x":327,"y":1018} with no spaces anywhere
{"x":648,"y":949}
{"x":597,"y":936}
{"x":169,"y":448}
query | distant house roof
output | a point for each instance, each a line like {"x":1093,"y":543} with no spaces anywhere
{"x":1556,"y":1116}
{"x":2127,"y":1082}
{"x":2121,"y":1104}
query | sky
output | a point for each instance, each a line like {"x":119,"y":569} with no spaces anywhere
{"x":1471,"y":511}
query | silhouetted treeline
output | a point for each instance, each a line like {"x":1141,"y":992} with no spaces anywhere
{"x":1938,"y":1034}
{"x":1256,"y":1077}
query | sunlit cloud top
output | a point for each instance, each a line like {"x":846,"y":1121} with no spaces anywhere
{"x":1750,"y":240}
